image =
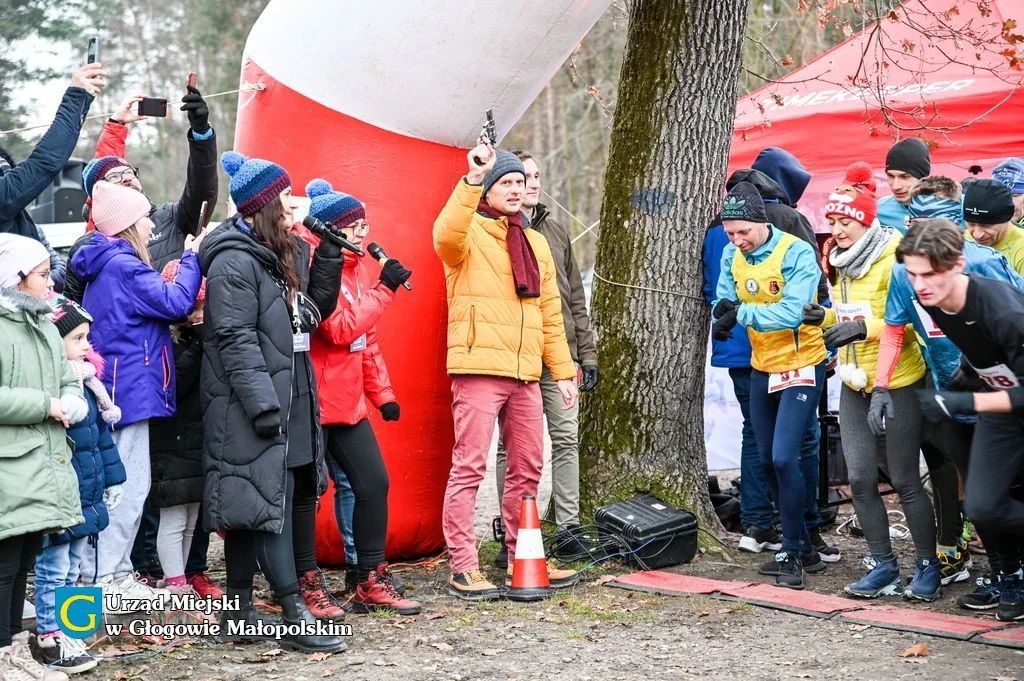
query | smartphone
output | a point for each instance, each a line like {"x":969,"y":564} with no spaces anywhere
{"x":153,"y":106}
{"x":192,"y":78}
{"x":92,"y":55}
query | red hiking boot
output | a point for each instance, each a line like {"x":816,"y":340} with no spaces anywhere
{"x":204,"y":586}
{"x":377,"y":593}
{"x":314,"y":591}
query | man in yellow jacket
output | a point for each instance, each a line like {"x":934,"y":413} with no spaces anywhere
{"x":504,"y":323}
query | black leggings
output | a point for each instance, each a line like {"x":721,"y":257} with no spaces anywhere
{"x":280,"y":556}
{"x":355,"y":449}
{"x":997,"y":462}
{"x":17,"y":556}
{"x":946,"y":447}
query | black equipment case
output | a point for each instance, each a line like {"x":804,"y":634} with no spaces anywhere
{"x":657,"y":534}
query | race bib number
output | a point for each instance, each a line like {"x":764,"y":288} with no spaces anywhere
{"x":300,"y":342}
{"x":358,"y":345}
{"x":850,"y":312}
{"x":998,"y":377}
{"x":930,"y":327}
{"x":798,"y":378}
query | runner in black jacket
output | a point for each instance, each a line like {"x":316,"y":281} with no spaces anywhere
{"x":985,"y":319}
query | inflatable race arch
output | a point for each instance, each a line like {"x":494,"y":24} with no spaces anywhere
{"x":382,"y":100}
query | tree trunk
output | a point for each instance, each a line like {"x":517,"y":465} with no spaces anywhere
{"x":644,"y":425}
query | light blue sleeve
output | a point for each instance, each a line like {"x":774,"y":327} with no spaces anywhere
{"x":726,"y":288}
{"x":996,"y":267}
{"x":900,"y":299}
{"x":800,"y":270}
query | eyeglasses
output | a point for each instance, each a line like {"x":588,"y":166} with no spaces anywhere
{"x":44,"y":273}
{"x":357,"y":229}
{"x":118,"y":175}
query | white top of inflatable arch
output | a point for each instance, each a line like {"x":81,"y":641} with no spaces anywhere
{"x":426,"y":69}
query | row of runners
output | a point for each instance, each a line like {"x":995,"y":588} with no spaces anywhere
{"x":924,"y":325}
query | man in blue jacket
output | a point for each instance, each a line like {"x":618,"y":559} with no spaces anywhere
{"x":21,"y":183}
{"x":784,"y":174}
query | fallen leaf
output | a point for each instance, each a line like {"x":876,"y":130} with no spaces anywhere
{"x":604,"y":579}
{"x":443,"y":647}
{"x":703,"y":614}
{"x":920,"y":650}
{"x":860,"y":627}
{"x":491,"y":652}
{"x":787,"y":61}
{"x":273,"y":652}
{"x":435,"y":615}
{"x":327,"y":672}
{"x":318,"y":657}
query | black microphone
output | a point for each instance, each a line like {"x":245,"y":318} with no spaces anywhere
{"x":324,"y":231}
{"x":378,"y":254}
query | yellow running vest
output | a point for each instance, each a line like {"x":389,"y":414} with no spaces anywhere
{"x":784,"y":349}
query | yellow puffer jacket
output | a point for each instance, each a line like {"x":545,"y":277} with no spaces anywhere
{"x":492,"y":331}
{"x":851,"y":299}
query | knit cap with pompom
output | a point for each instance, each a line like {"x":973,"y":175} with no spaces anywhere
{"x":337,"y":208}
{"x":254,"y":182}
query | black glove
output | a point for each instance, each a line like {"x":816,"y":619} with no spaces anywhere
{"x":394,"y":274}
{"x":591,"y":377}
{"x":966,"y":379}
{"x":844,"y":333}
{"x":720,"y":330}
{"x":813,"y":314}
{"x":881,"y":405}
{"x":328,"y":250}
{"x":390,"y":411}
{"x":722,"y":307}
{"x":937,"y":406}
{"x":268,"y":424}
{"x":198,"y":113}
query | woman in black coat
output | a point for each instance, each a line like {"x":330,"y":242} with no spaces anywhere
{"x":263,"y":450}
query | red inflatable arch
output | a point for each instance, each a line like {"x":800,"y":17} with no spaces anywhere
{"x":383,"y":101}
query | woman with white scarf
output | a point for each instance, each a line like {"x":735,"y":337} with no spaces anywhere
{"x":861,"y":263}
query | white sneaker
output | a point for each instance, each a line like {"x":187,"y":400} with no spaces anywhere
{"x":17,"y":663}
{"x":69,"y":655}
{"x":128,"y":595}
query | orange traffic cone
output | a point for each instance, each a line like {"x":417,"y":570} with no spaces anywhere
{"x":530,"y":568}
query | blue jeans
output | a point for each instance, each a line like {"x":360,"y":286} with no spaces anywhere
{"x":755,"y":500}
{"x":344,"y":508}
{"x":780,"y":422}
{"x":56,"y":565}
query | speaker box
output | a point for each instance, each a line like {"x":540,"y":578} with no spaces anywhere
{"x":657,"y":534}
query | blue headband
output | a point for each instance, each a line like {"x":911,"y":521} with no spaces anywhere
{"x":931,"y":206}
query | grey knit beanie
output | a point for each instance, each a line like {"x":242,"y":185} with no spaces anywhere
{"x":505,"y":163}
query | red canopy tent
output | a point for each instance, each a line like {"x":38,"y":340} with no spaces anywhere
{"x":927,"y":70}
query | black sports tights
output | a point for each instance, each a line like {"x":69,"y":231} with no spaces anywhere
{"x":356,"y":450}
{"x":17,"y":556}
{"x":278,"y":555}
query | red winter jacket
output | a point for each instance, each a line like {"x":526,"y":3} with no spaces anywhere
{"x":345,"y":375}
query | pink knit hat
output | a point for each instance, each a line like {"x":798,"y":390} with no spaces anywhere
{"x":115,"y":208}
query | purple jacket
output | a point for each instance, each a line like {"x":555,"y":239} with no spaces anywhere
{"x":132,"y":307}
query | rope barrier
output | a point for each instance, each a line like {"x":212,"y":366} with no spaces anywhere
{"x":245,"y":88}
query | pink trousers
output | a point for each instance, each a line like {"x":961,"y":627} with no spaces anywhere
{"x":477,"y":403}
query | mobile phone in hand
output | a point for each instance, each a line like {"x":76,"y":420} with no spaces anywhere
{"x":192,"y":78}
{"x":153,"y":106}
{"x":92,"y":55}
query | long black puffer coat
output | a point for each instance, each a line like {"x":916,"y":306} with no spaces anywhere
{"x":248,"y":365}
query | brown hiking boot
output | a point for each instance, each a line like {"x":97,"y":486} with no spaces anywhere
{"x":558,"y":578}
{"x":472,"y":586}
{"x":313,"y":588}
{"x":377,"y":593}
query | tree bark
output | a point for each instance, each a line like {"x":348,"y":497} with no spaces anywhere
{"x":643,"y":428}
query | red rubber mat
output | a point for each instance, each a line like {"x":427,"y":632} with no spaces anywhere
{"x":923,"y":621}
{"x":801,"y":602}
{"x":1012,"y":637}
{"x":656,"y":581}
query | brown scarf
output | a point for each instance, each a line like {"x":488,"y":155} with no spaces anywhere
{"x":525,"y":270}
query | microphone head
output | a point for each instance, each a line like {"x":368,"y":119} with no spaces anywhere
{"x":375,"y":251}
{"x":310,"y":222}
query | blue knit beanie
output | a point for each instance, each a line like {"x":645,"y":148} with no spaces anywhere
{"x":337,"y":208}
{"x":505,"y":163}
{"x":1011,"y":173}
{"x":254,"y":182}
{"x":96,"y":169}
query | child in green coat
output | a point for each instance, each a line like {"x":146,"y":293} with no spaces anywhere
{"x":39,"y":398}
